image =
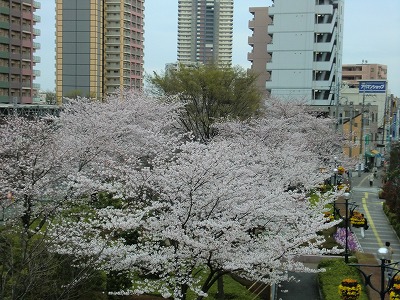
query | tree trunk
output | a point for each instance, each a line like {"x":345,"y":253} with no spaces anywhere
{"x":221,"y":293}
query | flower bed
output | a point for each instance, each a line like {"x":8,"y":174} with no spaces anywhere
{"x":329,"y":217}
{"x":340,"y":238}
{"x":395,"y":291}
{"x":349,"y":289}
{"x":357,"y":219}
{"x":341,"y":170}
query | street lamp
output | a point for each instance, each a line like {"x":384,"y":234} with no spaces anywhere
{"x":335,"y":173}
{"x":334,"y":184}
{"x":383,"y":255}
{"x":346,"y":249}
{"x":346,"y":222}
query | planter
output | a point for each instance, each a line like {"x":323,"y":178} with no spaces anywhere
{"x":349,"y":289}
{"x":395,"y":291}
{"x":357,"y":219}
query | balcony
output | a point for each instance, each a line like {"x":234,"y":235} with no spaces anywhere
{"x":27,"y":72}
{"x":4,"y":54}
{"x":251,"y":24}
{"x":5,"y":25}
{"x":250,"y":40}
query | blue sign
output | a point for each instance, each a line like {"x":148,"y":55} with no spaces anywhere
{"x":372,"y":86}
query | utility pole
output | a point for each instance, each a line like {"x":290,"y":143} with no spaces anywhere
{"x":351,"y":128}
{"x":384,"y":119}
{"x":361,"y":136}
{"x":390,"y":122}
{"x":362,"y":124}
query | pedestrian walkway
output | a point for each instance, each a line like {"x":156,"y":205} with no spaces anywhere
{"x":380,"y":231}
{"x":367,"y":200}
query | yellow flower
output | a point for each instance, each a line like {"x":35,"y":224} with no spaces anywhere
{"x":349,"y":289}
{"x":344,"y":187}
{"x":341,"y":170}
{"x":357,"y":219}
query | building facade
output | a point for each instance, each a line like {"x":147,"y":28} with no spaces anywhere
{"x":258,"y":42}
{"x":100,"y":45}
{"x":205,"y":31}
{"x":306,"y":50}
{"x":17,"y":48}
{"x":353,"y":73}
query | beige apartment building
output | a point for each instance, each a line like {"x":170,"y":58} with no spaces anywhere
{"x":352,"y":73}
{"x":259,"y":40}
{"x":99,"y":47}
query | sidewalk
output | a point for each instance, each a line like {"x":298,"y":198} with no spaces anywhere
{"x":379,"y":232}
{"x":370,"y":205}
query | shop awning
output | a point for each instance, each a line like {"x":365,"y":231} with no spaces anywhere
{"x":375,"y":152}
{"x":372,"y":153}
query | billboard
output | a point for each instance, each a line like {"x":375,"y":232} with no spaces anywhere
{"x":372,"y":87}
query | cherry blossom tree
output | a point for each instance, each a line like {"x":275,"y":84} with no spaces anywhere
{"x":52,"y":164}
{"x":31,"y":166}
{"x":239,"y":204}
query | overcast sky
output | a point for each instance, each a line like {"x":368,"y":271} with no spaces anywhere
{"x":371,"y":32}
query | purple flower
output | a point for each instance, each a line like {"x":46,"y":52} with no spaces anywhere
{"x":352,"y":242}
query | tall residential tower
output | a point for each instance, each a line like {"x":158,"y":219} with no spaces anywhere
{"x":305,"y":49}
{"x":99,"y":47}
{"x":17,"y":48}
{"x":205,"y":31}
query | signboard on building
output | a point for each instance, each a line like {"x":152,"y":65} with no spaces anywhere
{"x":372,"y":86}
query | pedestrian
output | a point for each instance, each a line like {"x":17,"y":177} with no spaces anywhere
{"x":389,"y":260}
{"x":364,"y":227}
{"x":375,"y":171}
{"x":390,"y":252}
{"x":371,"y":179}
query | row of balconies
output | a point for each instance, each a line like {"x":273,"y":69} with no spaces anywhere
{"x":19,"y":56}
{"x":16,"y":84}
{"x":13,"y":99}
{"x":35,"y":4}
{"x":17,"y":70}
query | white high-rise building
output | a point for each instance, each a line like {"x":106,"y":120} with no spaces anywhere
{"x":205,"y":31}
{"x":306,"y":50}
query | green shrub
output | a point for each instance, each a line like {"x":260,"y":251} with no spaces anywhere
{"x":336,"y":271}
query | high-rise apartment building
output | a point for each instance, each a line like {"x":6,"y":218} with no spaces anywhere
{"x":100,"y":47}
{"x":259,"y":41}
{"x":205,"y":31}
{"x":17,"y":48}
{"x":305,"y":49}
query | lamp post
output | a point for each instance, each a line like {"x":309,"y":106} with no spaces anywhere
{"x":346,"y":250}
{"x":383,"y":255}
{"x":362,"y":127}
{"x":346,"y":218}
{"x":334,"y":183}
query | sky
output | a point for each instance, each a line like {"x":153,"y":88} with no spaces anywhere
{"x":371,"y":32}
